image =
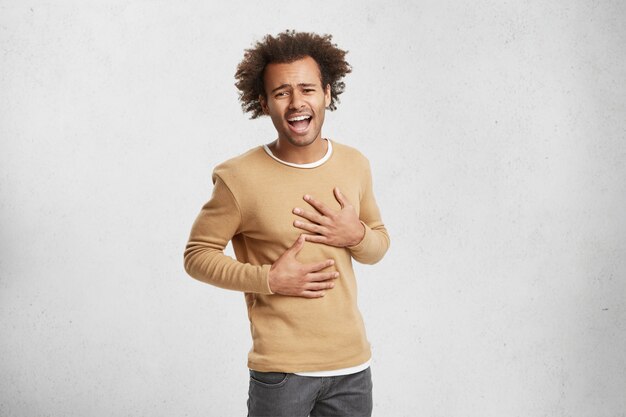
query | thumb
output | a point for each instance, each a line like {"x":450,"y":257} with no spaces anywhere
{"x":342,"y":200}
{"x":297,"y":245}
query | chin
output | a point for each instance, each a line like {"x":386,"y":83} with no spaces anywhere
{"x":300,"y":141}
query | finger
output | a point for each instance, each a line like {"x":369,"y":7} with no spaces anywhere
{"x":317,"y":239}
{"x":310,"y":215}
{"x":320,"y":286}
{"x":318,"y":266}
{"x":319,"y":206}
{"x":343,"y":201}
{"x":309,"y":227}
{"x":313,"y":294}
{"x":322,"y":276}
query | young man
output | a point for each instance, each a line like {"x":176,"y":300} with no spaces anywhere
{"x":297,"y":211}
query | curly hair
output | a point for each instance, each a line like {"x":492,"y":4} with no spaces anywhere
{"x":287,"y":47}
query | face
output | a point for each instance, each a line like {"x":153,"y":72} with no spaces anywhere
{"x":296,"y":100}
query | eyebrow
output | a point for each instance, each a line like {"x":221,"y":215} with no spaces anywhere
{"x":280,"y":87}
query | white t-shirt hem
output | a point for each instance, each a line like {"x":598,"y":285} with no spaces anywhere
{"x":337,"y":372}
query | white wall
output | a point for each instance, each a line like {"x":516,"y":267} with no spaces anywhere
{"x":496,"y":135}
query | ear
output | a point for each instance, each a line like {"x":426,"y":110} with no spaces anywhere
{"x":263,"y":103}
{"x":327,"y":95}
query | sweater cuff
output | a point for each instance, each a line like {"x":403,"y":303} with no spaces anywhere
{"x":265,"y":273}
{"x":359,"y":246}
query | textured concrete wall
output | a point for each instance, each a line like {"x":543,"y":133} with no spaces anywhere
{"x":497,"y":140}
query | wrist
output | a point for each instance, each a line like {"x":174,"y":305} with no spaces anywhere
{"x":358,"y":237}
{"x":270,"y":279}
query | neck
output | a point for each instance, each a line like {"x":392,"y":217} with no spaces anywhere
{"x":287,"y":152}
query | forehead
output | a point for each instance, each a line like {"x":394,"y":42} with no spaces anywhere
{"x":304,"y":70}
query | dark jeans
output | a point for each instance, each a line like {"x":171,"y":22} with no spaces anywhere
{"x":278,"y":394}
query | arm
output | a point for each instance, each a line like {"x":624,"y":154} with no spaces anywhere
{"x":375,"y":242}
{"x":220,"y":220}
{"x":217,"y":223}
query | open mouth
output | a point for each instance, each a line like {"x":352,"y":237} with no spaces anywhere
{"x":299,"y":123}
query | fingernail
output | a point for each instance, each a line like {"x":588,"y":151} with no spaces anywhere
{"x":296,"y":210}
{"x":306,"y":196}
{"x":331,"y":262}
{"x":336,"y":274}
{"x":296,"y":223}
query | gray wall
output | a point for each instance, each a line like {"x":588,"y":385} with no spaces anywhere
{"x":496,"y":135}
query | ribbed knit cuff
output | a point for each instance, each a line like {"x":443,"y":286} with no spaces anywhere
{"x":265,"y":273}
{"x":359,"y":246}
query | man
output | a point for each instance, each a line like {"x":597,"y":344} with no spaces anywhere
{"x":297,"y":211}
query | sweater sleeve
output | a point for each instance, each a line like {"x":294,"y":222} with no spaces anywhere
{"x":218,"y":221}
{"x":375,"y":242}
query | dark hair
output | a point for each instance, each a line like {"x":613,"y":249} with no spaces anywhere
{"x":287,"y":47}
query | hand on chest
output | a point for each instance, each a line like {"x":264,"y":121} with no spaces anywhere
{"x":283,"y":213}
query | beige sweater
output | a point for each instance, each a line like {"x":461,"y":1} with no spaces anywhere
{"x":252,"y":202}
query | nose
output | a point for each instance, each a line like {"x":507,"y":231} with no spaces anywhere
{"x":297,"y":100}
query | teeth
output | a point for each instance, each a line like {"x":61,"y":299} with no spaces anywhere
{"x":295,"y":119}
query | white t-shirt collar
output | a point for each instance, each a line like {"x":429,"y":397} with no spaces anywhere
{"x":317,"y":163}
